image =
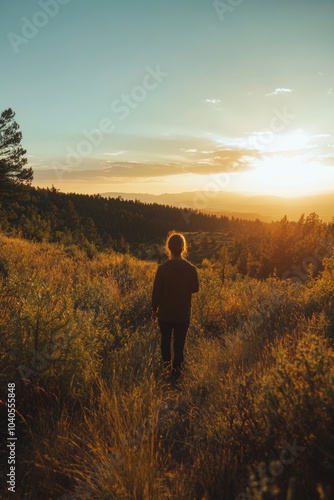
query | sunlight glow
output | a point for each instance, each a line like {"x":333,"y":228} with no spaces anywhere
{"x":268,"y":141}
{"x":286,"y":177}
{"x":292,"y":141}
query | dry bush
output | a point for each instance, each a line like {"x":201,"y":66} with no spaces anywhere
{"x":100,"y":421}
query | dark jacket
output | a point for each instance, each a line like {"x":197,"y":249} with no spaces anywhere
{"x":174,"y":282}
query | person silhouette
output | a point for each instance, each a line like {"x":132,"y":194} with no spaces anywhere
{"x":174,"y":283}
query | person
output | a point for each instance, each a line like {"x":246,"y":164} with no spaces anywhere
{"x":174,"y":283}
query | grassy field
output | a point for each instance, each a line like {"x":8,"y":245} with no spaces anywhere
{"x":252,"y":417}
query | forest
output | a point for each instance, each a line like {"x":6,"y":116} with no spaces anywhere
{"x":289,"y":249}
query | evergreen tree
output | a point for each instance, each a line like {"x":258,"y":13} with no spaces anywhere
{"x":71,"y":218}
{"x":13,"y":174}
{"x":91,"y":233}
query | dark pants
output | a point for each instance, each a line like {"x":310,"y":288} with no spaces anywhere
{"x":179,"y":337}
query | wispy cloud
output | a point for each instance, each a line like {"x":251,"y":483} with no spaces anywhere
{"x":280,"y":90}
{"x":213,"y":101}
{"x":117,"y":153}
{"x":225,"y":160}
{"x":204,"y":162}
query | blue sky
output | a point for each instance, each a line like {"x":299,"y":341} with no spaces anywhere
{"x":166,"y":96}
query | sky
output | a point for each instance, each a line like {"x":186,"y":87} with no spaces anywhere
{"x":164,"y":96}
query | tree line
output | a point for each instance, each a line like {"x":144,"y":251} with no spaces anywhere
{"x":290,"y":249}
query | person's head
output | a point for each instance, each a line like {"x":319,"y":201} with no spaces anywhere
{"x":176,"y":245}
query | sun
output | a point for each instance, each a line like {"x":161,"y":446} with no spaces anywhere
{"x":287,"y":167}
{"x":296,"y":140}
{"x":288,"y":177}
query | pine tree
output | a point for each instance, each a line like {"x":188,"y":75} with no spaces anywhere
{"x":71,"y":218}
{"x":12,"y":172}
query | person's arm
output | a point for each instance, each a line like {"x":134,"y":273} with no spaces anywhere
{"x":157,"y":291}
{"x":195,"y":283}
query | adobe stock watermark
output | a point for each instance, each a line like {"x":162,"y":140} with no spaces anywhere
{"x":122,"y":107}
{"x":30,"y":27}
{"x":301,"y":272}
{"x":51,"y":351}
{"x":215,"y":184}
{"x":222,"y":8}
{"x":280,"y":119}
{"x":262,"y":312}
{"x":277,"y":124}
{"x":266,"y":473}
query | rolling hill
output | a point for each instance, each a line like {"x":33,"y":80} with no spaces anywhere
{"x":265,"y":208}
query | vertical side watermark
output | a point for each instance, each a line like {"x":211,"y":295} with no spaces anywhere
{"x":11,"y":438}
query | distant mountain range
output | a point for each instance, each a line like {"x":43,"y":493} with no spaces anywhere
{"x":265,"y":208}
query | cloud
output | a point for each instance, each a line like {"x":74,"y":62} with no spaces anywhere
{"x":279,"y":91}
{"x":199,"y":162}
{"x":117,"y":153}
{"x":96,"y":170}
{"x":225,"y":160}
{"x":213,"y":101}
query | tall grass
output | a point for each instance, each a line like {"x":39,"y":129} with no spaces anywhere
{"x":251,"y":418}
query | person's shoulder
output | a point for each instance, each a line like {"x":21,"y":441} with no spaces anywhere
{"x":179,"y":263}
{"x":162,"y":265}
{"x":189,"y":265}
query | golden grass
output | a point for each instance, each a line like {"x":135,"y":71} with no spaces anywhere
{"x":101,"y":422}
